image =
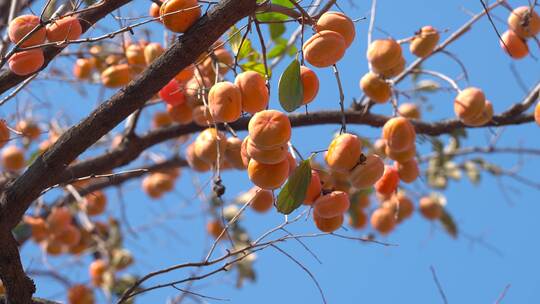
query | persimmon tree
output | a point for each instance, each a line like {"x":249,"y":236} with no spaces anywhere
{"x":212,"y":77}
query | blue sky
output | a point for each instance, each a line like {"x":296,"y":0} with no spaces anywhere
{"x":497,"y":245}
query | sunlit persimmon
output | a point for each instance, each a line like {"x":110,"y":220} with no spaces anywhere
{"x":269,"y":128}
{"x":268,"y":176}
{"x":225,"y":102}
{"x":95,"y":203}
{"x":172,"y":93}
{"x":26,"y":62}
{"x":376,"y":88}
{"x":12,"y":158}
{"x":39,"y":228}
{"x":339,"y":23}
{"x":524,"y":21}
{"x":314,"y":188}
{"x":469,"y":103}
{"x":207,"y":144}
{"x":425,"y":41}
{"x":152,"y":51}
{"x":343,"y":152}
{"x":262,"y":200}
{"x":96,"y":270}
{"x":310,"y":84}
{"x":80,"y":294}
{"x":4,"y":133}
{"x":408,"y":171}
{"x":215,"y":228}
{"x":255,"y":95}
{"x":179,"y":15}
{"x":195,"y":162}
{"x":29,"y":129}
{"x":384,"y":54}
{"x":430,"y":208}
{"x":331,"y":204}
{"x":22,"y":26}
{"x":366,"y":174}
{"x":116,"y":76}
{"x":324,"y":48}
{"x":388,"y":183}
{"x":383,"y":220}
{"x":328,"y":225}
{"x":401,"y":205}
{"x":66,"y":28}
{"x":515,"y":46}
{"x":59,"y":219}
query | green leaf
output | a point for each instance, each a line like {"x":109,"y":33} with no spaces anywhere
{"x":276,"y":30}
{"x":291,"y":90}
{"x":265,"y":17}
{"x":285,"y":3}
{"x":234,"y":38}
{"x":448,"y":223}
{"x":271,"y":17}
{"x":255,"y":66}
{"x":280,"y":48}
{"x":246,"y":50}
{"x":276,"y":51}
{"x":243,"y":49}
{"x":292,"y":195}
{"x":292,"y":50}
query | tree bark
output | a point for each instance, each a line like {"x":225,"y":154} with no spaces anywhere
{"x":46,"y":169}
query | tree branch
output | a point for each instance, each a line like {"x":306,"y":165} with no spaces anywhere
{"x":88,"y":18}
{"x":19,"y":287}
{"x":116,"y":180}
{"x":129,"y":151}
{"x":46,"y":169}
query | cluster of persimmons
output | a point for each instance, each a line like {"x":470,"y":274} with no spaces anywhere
{"x":342,"y":184}
{"x":523,"y":24}
{"x":28,"y":31}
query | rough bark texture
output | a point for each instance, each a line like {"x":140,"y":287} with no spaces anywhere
{"x":19,"y":287}
{"x":3,"y":300}
{"x":46,"y":169}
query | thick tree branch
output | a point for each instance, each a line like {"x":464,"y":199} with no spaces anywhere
{"x":119,"y":179}
{"x":130,"y":150}
{"x":46,"y":169}
{"x":19,"y":287}
{"x":3,"y":300}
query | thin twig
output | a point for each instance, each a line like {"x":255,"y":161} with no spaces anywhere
{"x":439,"y":287}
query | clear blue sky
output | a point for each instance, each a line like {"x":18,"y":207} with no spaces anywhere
{"x":351,"y":272}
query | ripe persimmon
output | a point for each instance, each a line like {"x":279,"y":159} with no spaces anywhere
{"x":269,"y":128}
{"x":328,"y":224}
{"x":324,"y":48}
{"x":343,"y":152}
{"x":332,"y":204}
{"x":179,"y":15}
